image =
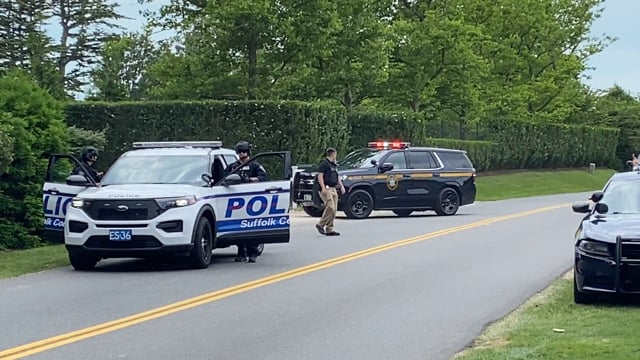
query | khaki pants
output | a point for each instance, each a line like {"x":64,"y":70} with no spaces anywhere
{"x":330,"y":207}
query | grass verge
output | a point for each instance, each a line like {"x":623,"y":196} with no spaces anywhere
{"x":19,"y":262}
{"x":551,"y":326}
{"x":536,"y":183}
{"x":492,"y":187}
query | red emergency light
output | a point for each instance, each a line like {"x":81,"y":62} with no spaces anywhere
{"x":388,"y":145}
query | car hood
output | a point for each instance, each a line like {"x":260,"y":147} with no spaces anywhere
{"x":608,"y":227}
{"x":139,"y":191}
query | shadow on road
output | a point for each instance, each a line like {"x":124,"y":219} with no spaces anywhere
{"x":156,"y":264}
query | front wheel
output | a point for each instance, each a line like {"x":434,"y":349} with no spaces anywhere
{"x":82,"y":261}
{"x":260,"y":249}
{"x":359,"y":205}
{"x":200,"y":256}
{"x":448,"y":202}
{"x":578,"y":297}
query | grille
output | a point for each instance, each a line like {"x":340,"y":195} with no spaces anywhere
{"x":137,"y":242}
{"x":630,"y":251}
{"x":107,"y":210}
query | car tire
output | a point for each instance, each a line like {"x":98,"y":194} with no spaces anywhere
{"x":82,"y":261}
{"x":448,"y":202}
{"x":580,"y":297}
{"x":359,"y":205}
{"x":200,"y":256}
{"x":313,"y":211}
{"x":260,"y":249}
{"x":402,"y":213}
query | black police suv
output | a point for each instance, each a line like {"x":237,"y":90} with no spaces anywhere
{"x":607,"y":241}
{"x":393,"y":176}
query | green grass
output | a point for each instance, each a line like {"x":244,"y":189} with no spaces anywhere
{"x":19,"y":262}
{"x":495,"y":187}
{"x":551,"y":326}
{"x":525,"y":184}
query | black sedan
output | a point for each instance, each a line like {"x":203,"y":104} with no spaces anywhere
{"x":607,"y":248}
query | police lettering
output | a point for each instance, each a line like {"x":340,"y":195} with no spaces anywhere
{"x":256,"y":206}
{"x":57,"y":207}
{"x":264,"y":222}
{"x":54,"y":222}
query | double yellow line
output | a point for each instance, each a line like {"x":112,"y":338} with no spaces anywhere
{"x":71,"y":337}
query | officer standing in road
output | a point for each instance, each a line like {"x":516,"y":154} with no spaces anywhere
{"x":252,"y":172}
{"x":89,"y":158}
{"x":328,"y":180}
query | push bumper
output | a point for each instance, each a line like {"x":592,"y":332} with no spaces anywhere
{"x":619,"y":273}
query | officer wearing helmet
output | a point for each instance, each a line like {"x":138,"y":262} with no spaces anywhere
{"x":251,"y":172}
{"x":89,"y":158}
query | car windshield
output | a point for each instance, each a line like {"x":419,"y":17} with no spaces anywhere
{"x":360,"y":159}
{"x":622,"y":197}
{"x":157,"y":170}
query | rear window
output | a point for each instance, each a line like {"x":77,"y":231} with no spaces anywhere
{"x":457,"y":160}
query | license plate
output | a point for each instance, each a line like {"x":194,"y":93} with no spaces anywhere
{"x":307,"y":196}
{"x":120,"y":235}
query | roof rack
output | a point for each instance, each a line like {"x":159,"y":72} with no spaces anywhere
{"x":176,"y":144}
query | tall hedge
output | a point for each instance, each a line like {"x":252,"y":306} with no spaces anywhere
{"x":307,"y":129}
{"x":303,"y":128}
{"x":532,"y":145}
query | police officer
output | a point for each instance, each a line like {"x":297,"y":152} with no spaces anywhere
{"x":89,"y":158}
{"x":252,"y":172}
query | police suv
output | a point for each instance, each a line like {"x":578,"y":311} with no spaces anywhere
{"x":166,"y":198}
{"x":394,"y":176}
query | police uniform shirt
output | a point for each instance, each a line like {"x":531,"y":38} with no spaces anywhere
{"x":251,"y":170}
{"x":329,"y":171}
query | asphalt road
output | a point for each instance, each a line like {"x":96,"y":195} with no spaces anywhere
{"x":423,"y":299}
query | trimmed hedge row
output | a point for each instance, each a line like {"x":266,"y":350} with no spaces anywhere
{"x":306,"y":129}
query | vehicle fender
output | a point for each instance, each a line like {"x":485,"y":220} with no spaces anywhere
{"x":362,"y":185}
{"x":454,"y":184}
{"x":207,"y":211}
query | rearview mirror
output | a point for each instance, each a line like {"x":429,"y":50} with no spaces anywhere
{"x":386,"y":167}
{"x":602,"y":208}
{"x":232,"y":179}
{"x":78,"y":180}
{"x":596,"y":196}
{"x":581,"y":207}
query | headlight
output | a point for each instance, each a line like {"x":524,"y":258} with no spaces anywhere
{"x":593,"y":247}
{"x":80,"y":203}
{"x":167,"y":203}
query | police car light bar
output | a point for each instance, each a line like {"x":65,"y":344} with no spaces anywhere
{"x":176,"y":144}
{"x":388,"y":145}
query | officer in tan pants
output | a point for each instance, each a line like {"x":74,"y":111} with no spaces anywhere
{"x":328,"y":180}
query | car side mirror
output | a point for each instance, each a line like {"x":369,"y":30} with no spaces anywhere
{"x":602,"y":208}
{"x":386,"y":167}
{"x":596,"y":196}
{"x":78,"y":180}
{"x":232,"y":179}
{"x":581,"y":207}
{"x":207,"y":178}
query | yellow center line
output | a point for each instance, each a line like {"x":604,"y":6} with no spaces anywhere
{"x":74,"y":336}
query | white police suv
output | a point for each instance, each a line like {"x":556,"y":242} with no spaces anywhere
{"x":166,"y":198}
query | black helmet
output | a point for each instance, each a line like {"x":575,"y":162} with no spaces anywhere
{"x":243,"y":146}
{"x":88,"y":153}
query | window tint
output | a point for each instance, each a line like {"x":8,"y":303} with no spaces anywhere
{"x":456,"y":160}
{"x":230,"y":159}
{"x":397,"y":159}
{"x":422,"y":160}
{"x":622,"y":197}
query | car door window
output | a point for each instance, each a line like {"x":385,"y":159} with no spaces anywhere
{"x":397,"y":159}
{"x":421,"y":160}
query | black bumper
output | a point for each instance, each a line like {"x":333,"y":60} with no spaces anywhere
{"x":139,"y":247}
{"x":619,"y":273}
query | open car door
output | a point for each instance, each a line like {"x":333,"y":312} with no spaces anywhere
{"x":59,"y":188}
{"x":255,"y":213}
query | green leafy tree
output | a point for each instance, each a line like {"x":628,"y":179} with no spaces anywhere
{"x":34,"y":120}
